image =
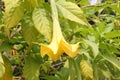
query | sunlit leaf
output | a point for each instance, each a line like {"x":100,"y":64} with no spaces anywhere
{"x":86,"y":70}
{"x":13,"y":14}
{"x":70,"y":11}
{"x":6,"y":2}
{"x":42,"y":23}
{"x":32,"y":67}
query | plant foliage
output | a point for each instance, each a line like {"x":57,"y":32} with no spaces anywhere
{"x":60,"y":40}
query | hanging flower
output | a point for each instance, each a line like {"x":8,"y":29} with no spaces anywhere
{"x":58,"y":46}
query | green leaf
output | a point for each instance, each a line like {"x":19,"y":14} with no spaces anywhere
{"x":115,"y":7}
{"x":95,"y":71}
{"x":29,"y":31}
{"x":101,"y":27}
{"x":32,"y":4}
{"x":2,"y":68}
{"x":109,"y":27}
{"x":83,"y":2}
{"x":94,"y":47}
{"x":42,"y":23}
{"x":86,"y":69}
{"x":5,"y":46}
{"x":103,"y":70}
{"x":1,"y":59}
{"x":13,"y":14}
{"x":32,"y":67}
{"x":6,"y":2}
{"x":8,"y":69}
{"x":75,"y":73}
{"x":112,"y":34}
{"x":63,"y":74}
{"x":111,"y":59}
{"x":70,"y":11}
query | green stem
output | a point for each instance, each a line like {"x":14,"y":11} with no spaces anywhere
{"x":29,"y":48}
{"x":28,"y":51}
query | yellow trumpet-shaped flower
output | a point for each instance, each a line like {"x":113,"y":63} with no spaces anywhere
{"x":58,"y":46}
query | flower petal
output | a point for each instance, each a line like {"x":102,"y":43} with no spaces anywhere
{"x":70,"y":49}
{"x":50,"y":51}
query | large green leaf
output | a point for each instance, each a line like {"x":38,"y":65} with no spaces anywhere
{"x":8,"y":69}
{"x":42,"y":23}
{"x":29,"y":31}
{"x":13,"y":14}
{"x":70,"y":11}
{"x":32,"y":67}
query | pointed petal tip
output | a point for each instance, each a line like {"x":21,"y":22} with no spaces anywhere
{"x":70,"y":49}
{"x":46,"y":50}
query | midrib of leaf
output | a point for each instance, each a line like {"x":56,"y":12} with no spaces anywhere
{"x":112,"y":61}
